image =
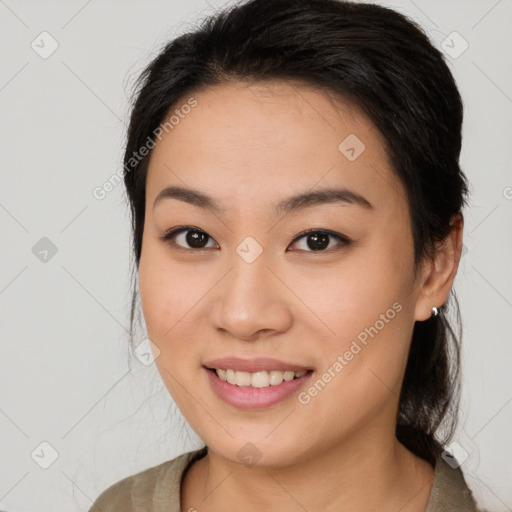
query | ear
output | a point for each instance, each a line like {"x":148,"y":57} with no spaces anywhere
{"x":439,"y":272}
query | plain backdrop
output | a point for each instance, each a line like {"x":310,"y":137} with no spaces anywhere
{"x":73,"y":398}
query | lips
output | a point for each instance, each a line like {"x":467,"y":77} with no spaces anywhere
{"x":257,"y":364}
{"x":250,"y":397}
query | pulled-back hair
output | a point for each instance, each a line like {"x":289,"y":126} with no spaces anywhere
{"x":380,"y":61}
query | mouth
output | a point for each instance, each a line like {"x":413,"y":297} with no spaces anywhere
{"x":257,"y":389}
{"x":259,"y":379}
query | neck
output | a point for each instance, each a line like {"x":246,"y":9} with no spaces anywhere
{"x":377,"y":473}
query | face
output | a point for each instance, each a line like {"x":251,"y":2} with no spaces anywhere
{"x":239,"y":276}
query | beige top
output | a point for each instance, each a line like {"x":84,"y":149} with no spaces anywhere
{"x":157,"y":489}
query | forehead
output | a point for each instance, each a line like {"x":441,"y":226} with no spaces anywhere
{"x":251,"y":143}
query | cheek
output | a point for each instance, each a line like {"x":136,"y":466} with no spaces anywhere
{"x":164,"y":309}
{"x":351,"y":296}
{"x":165,"y":292}
{"x":362,"y":308}
{"x":170,"y":296}
{"x":154,"y":295}
{"x":364,"y":360}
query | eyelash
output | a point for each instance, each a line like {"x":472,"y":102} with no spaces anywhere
{"x":342,"y":239}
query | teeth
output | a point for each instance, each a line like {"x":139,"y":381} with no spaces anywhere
{"x":258,"y":379}
{"x":288,"y":375}
{"x":243,"y":378}
{"x":275,"y":378}
{"x":231,"y":376}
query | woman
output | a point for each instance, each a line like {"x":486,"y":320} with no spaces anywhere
{"x":292,"y":171}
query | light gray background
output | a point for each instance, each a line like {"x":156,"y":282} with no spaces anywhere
{"x":65,"y":375}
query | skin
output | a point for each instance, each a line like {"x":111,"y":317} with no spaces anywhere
{"x":248,"y":146}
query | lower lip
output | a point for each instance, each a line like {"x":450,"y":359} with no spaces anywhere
{"x":255,"y":398}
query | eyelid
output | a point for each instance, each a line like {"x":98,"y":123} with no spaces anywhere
{"x":342,"y":239}
{"x":171,"y":233}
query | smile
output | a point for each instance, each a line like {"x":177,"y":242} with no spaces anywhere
{"x":261,"y":379}
{"x":256,"y":390}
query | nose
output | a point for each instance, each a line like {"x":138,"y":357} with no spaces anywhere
{"x":251,"y":302}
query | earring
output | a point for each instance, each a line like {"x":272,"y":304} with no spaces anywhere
{"x":435,"y":311}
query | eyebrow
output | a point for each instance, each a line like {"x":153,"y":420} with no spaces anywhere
{"x":290,"y":204}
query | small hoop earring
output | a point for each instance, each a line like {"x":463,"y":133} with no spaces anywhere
{"x":435,"y":311}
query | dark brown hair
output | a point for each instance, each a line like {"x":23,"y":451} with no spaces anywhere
{"x":385,"y":64}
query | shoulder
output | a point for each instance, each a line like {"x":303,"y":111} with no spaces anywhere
{"x":159,"y":485}
{"x":450,"y":492}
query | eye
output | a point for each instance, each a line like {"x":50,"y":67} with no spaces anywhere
{"x":316,"y":240}
{"x":319,"y":240}
{"x":188,"y":235}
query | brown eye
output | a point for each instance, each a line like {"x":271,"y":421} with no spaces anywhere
{"x":188,"y":238}
{"x":196,"y":239}
{"x":319,"y":240}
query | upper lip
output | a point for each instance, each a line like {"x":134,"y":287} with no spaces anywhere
{"x":258,"y":364}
